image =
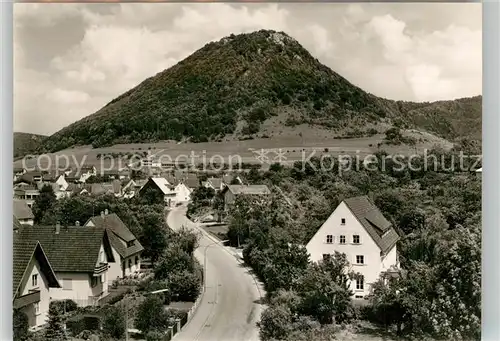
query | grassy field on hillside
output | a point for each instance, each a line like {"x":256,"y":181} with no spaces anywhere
{"x":284,"y":149}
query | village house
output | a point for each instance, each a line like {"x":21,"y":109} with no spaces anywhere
{"x":231,"y":192}
{"x":80,"y":175}
{"x":214,"y":183}
{"x":80,"y":258}
{"x":32,"y":280}
{"x":22,"y":212}
{"x":114,"y":187}
{"x":30,"y":178}
{"x":115,"y":174}
{"x":132,"y":187}
{"x":192,"y":181}
{"x":163,"y":188}
{"x":126,"y":248}
{"x":182,"y":192}
{"x":18,"y":172}
{"x":26,"y":192}
{"x":358,"y":229}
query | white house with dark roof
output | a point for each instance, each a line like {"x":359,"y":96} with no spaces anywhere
{"x":32,"y":279}
{"x":126,"y":247}
{"x":80,"y":258}
{"x":161,"y":186}
{"x":358,"y":229}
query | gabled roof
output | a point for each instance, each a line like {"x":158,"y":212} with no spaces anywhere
{"x":162,"y":184}
{"x":23,"y":252}
{"x":140,"y":182}
{"x":215,"y":182}
{"x":374,"y":222}
{"x":171,"y":179}
{"x":29,"y":177}
{"x":102,"y":188}
{"x":74,"y":249}
{"x":22,"y":210}
{"x":113,"y":223}
{"x":192,"y":180}
{"x":248,"y":190}
{"x":227,"y":178}
{"x":118,"y":230}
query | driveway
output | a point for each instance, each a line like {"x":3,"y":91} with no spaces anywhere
{"x":230,"y":306}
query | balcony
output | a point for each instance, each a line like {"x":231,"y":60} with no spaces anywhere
{"x":100,"y":268}
{"x":27,"y":299}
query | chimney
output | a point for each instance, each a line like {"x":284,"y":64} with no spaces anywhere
{"x":106,"y":211}
{"x":102,"y":213}
{"x":58,"y":228}
{"x":77,"y":223}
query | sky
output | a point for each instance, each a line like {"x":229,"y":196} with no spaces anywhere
{"x":72,"y":59}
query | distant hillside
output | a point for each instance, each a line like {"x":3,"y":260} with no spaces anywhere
{"x":26,"y":143}
{"x":230,"y":87}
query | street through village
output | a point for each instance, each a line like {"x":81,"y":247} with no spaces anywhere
{"x":230,"y":306}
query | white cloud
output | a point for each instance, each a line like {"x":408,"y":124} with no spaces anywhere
{"x":383,"y":48}
{"x":68,"y":96}
{"x":438,"y":65}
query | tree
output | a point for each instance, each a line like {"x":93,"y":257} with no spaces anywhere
{"x":20,"y":325}
{"x":55,"y":326}
{"x":185,"y":285}
{"x":43,"y":203}
{"x":325,"y":291}
{"x":174,"y":259}
{"x":114,"y":323}
{"x":153,"y":237}
{"x":151,"y":315}
{"x":275,"y":323}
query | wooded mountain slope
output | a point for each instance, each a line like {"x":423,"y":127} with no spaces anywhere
{"x":231,"y":86}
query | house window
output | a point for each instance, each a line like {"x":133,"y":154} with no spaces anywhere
{"x":36,"y":308}
{"x":136,"y":260}
{"x":93,"y":282}
{"x":329,"y":239}
{"x":358,"y":296}
{"x":342,"y":239}
{"x":360,"y":283}
{"x":360,"y":259}
{"x":34,"y":280}
{"x":67,"y":284}
{"x":355,"y":239}
{"x":342,"y":221}
{"x":130,"y":263}
{"x":326,"y":256}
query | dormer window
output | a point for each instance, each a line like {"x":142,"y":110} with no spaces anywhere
{"x":131,"y":243}
{"x":342,"y":221}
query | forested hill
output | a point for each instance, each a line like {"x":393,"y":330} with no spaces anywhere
{"x":25,"y":143}
{"x":229,"y":87}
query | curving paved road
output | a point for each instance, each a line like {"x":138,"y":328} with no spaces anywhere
{"x":230,"y":308}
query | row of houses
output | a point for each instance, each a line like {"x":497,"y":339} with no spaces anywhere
{"x":70,"y":262}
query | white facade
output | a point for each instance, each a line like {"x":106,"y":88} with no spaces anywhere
{"x":34,"y":280}
{"x":82,"y":287}
{"x":182,"y":192}
{"x":62,"y":183}
{"x":342,"y":232}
